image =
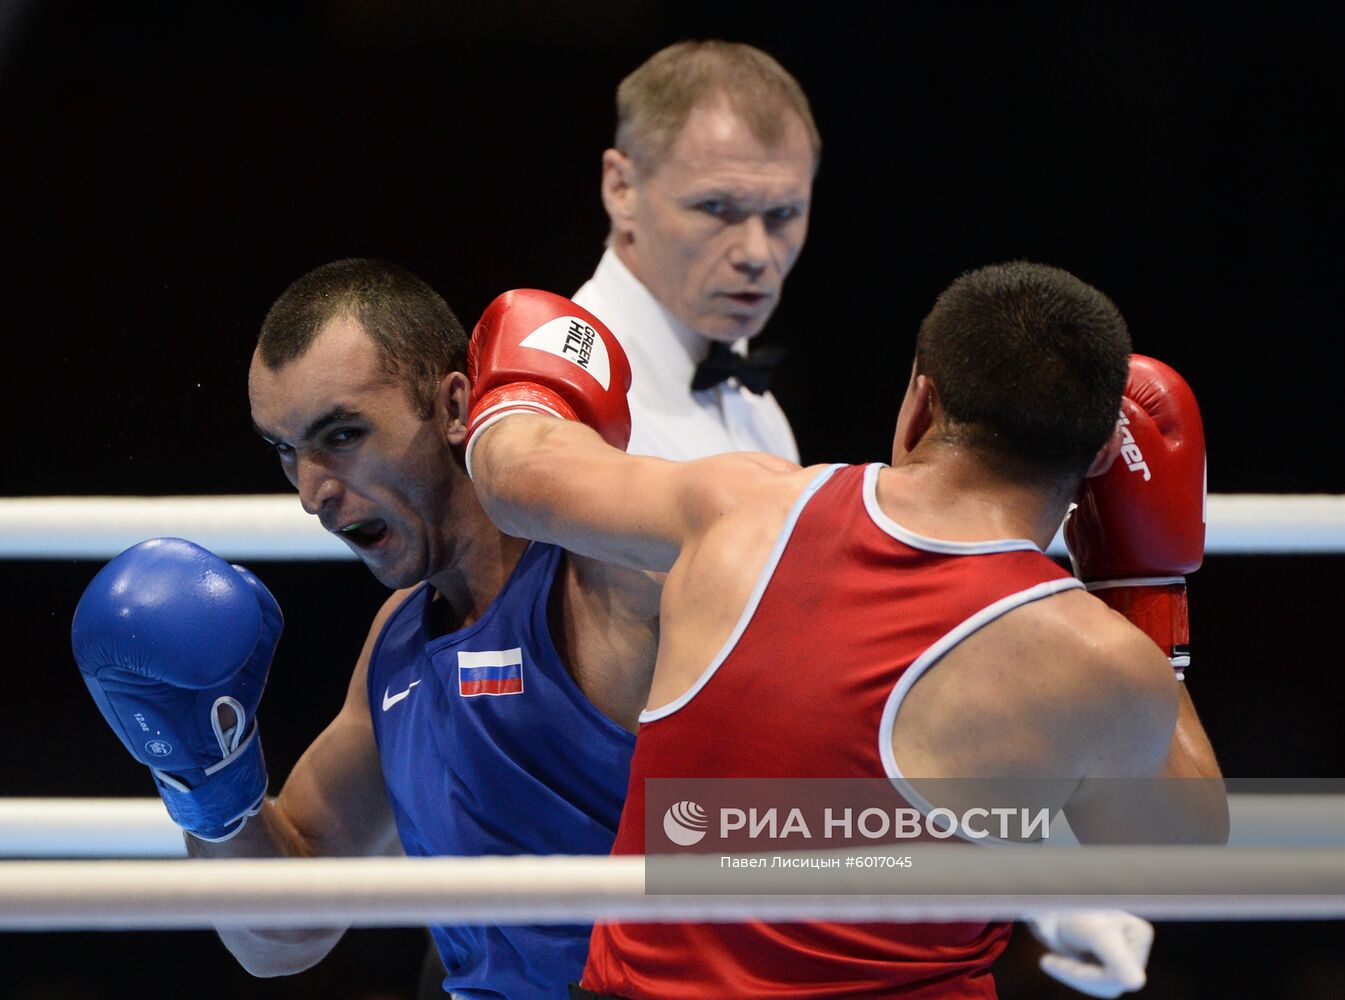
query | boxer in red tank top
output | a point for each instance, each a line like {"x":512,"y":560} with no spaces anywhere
{"x":802,"y":607}
{"x":887,"y":598}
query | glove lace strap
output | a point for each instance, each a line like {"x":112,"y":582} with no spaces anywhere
{"x":230,"y":738}
{"x":217,"y":808}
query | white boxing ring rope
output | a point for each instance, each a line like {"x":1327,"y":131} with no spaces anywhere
{"x":140,"y":827}
{"x":1300,"y":875}
{"x":1157,"y":882}
{"x":274,"y":526}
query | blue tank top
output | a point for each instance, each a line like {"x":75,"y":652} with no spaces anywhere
{"x":489,"y":747}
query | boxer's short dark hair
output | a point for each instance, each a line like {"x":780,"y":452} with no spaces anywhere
{"x":418,"y":336}
{"x":654,"y":101}
{"x":1029,"y":364}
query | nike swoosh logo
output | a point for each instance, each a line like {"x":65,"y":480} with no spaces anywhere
{"x":390,"y":699}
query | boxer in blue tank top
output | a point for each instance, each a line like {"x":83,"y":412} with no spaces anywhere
{"x":519,"y":762}
{"x":492,"y":707}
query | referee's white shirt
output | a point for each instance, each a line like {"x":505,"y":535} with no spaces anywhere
{"x":668,"y":419}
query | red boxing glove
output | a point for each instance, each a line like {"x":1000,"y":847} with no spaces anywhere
{"x":1139,"y":528}
{"x":539,"y":352}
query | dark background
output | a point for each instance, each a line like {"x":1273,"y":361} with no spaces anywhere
{"x":165,"y":170}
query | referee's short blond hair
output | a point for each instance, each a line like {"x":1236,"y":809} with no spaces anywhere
{"x":653,"y":102}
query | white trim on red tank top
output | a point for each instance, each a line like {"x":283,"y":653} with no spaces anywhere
{"x":931,"y":656}
{"x":763,"y":580}
{"x":924,"y":543}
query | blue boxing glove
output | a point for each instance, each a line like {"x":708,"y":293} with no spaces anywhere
{"x":174,"y":645}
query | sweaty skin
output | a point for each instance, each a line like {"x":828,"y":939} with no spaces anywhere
{"x":1103,"y":701}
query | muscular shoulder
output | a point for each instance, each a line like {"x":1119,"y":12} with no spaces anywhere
{"x":724,"y":495}
{"x":738,"y":518}
{"x":1102,"y":679}
{"x":1061,"y":686}
{"x":741,"y":482}
{"x":389,"y":608}
{"x":356,"y":695}
{"x":1107,"y":647}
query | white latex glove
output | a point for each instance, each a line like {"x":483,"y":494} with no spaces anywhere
{"x":1098,"y":952}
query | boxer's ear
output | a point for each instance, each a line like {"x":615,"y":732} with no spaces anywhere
{"x":451,"y":405}
{"x":923,"y":400}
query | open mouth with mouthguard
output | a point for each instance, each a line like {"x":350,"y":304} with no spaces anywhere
{"x":363,"y":534}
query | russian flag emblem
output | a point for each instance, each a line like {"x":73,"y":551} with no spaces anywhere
{"x":490,"y":671}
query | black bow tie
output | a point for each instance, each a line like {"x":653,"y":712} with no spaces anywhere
{"x":753,"y":371}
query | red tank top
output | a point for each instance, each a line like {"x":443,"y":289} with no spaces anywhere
{"x":849,"y":610}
